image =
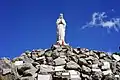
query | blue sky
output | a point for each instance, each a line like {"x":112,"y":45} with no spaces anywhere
{"x":31,"y":24}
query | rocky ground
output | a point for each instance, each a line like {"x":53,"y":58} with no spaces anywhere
{"x":61,"y":63}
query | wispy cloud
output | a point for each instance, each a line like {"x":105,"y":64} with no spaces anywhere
{"x":99,"y":20}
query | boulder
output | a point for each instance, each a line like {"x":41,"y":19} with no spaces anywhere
{"x":72,"y":65}
{"x":49,"y":60}
{"x":85,"y":76}
{"x":85,"y":69}
{"x":6,"y":71}
{"x":96,"y":75}
{"x":18,"y":63}
{"x":59,"y":61}
{"x":82,"y":61}
{"x":44,"y":77}
{"x":106,"y":65}
{"x":24,"y":67}
{"x":59,"y":68}
{"x":46,"y":68}
{"x":76,"y":51}
{"x":108,"y":72}
{"x":116,"y":57}
{"x":27,"y":78}
{"x":5,"y":68}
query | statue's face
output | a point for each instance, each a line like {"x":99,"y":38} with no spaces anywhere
{"x":61,"y":17}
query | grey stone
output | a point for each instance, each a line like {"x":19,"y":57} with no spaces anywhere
{"x":81,"y":56}
{"x":27,"y":78}
{"x":4,"y":67}
{"x":85,"y":76}
{"x":70,"y":53}
{"x":74,"y":58}
{"x":106,"y":65}
{"x":35,"y":63}
{"x":62,"y":55}
{"x":72,"y":65}
{"x":96,"y":75}
{"x":108,"y":72}
{"x":49,"y":60}
{"x":82,"y":61}
{"x":102,"y":55}
{"x":86,"y":69}
{"x":116,"y":57}
{"x":6,"y":71}
{"x":59,"y":61}
{"x":46,"y":68}
{"x":44,"y":77}
{"x":59,"y":68}
{"x":30,"y":72}
{"x":74,"y":75}
{"x":17,"y":63}
{"x":33,"y":55}
{"x":48,"y":53}
{"x":76,"y":51}
{"x":55,"y":54}
{"x":91,"y":58}
{"x":24,"y":67}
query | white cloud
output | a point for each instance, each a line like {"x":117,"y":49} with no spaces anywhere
{"x":99,"y":20}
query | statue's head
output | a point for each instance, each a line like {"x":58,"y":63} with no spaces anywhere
{"x":61,"y":16}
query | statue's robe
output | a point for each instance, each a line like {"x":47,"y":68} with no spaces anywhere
{"x":61,"y":24}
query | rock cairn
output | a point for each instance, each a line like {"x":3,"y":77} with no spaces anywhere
{"x":61,"y":63}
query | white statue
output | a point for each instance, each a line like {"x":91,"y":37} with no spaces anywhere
{"x":61,"y":25}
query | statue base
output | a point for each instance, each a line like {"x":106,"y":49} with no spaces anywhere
{"x":61,"y":42}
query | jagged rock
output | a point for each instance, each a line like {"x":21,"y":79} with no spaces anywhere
{"x":46,"y":68}
{"x":74,"y":58}
{"x":41,"y":60}
{"x":94,"y":66}
{"x":102,"y":55}
{"x":96,"y":75}
{"x":27,"y":78}
{"x":34,"y":55}
{"x":24,"y":67}
{"x":30,"y":72}
{"x":55,"y":54}
{"x":85,"y":77}
{"x":76,"y":51}
{"x":48,"y":53}
{"x":85,"y":69}
{"x":70,"y":53}
{"x":106,"y":65}
{"x":17,"y":63}
{"x":59,"y":68}
{"x":72,"y":65}
{"x":116,"y":57}
{"x":74,"y":75}
{"x":59,"y":61}
{"x":6,"y":71}
{"x":108,"y":72}
{"x":82,"y":61}
{"x":49,"y":60}
{"x":113,"y":66}
{"x":40,"y":53}
{"x":62,"y":55}
{"x":7,"y":77}
{"x":81,"y":56}
{"x":35,"y":63}
{"x":44,"y":77}
{"x":91,"y":58}
{"x":4,"y":67}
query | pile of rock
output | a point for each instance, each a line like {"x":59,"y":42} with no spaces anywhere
{"x":61,"y":63}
